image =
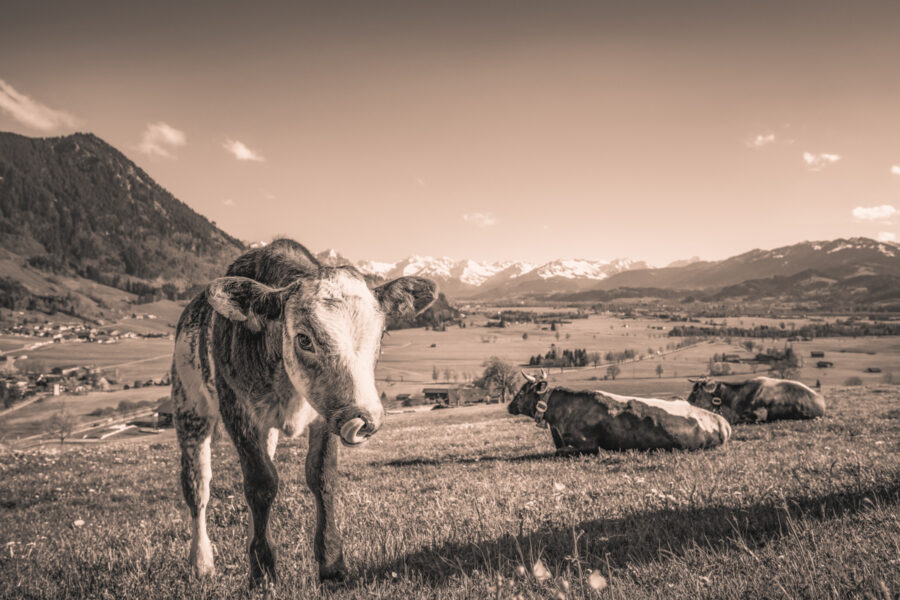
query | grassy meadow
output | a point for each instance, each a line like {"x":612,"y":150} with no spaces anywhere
{"x":450,"y":503}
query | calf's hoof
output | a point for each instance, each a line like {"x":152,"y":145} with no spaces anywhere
{"x":201,"y":561}
{"x":335,"y":572}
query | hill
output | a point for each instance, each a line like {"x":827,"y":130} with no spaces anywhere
{"x":74,"y":205}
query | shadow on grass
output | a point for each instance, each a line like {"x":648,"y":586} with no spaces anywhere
{"x":465,"y":460}
{"x":640,"y":537}
{"x":610,"y":458}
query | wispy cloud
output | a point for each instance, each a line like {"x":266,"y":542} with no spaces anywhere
{"x":887,"y":236}
{"x":32,"y":113}
{"x":874,"y":213}
{"x":228,"y":202}
{"x":241,"y":151}
{"x":895,"y":169}
{"x":160,"y":139}
{"x":479,"y":219}
{"x":761,"y":140}
{"x":817,"y":162}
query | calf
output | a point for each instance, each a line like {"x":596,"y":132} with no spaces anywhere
{"x":279,"y":344}
{"x":587,"y":421}
{"x":757,"y":400}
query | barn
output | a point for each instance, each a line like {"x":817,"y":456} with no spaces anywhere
{"x":165,"y":413}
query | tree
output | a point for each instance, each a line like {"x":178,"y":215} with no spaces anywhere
{"x":61,"y":424}
{"x":525,"y":336}
{"x":613,"y":371}
{"x":435,"y":374}
{"x":595,"y":358}
{"x":500,"y":374}
{"x":659,"y":370}
{"x":748,"y":345}
{"x":785,"y":369}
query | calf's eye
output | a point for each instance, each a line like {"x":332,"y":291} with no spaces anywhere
{"x":304,"y":342}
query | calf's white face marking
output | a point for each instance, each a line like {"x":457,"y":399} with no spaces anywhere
{"x":331,"y":339}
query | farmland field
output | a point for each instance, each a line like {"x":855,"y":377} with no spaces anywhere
{"x":411,"y":356}
{"x":447,"y":504}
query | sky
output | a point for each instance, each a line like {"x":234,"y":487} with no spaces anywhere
{"x":505,"y":130}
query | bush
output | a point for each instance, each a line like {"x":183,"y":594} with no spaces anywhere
{"x":853,"y":381}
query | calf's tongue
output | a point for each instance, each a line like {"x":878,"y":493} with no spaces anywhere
{"x":350,"y":432}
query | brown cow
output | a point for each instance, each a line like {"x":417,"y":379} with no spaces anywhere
{"x":757,"y":400}
{"x":589,"y":420}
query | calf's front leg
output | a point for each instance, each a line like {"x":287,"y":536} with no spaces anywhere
{"x":260,"y":489}
{"x":321,"y":476}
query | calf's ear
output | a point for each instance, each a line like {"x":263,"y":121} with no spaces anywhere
{"x":406,"y":295}
{"x":244,"y":300}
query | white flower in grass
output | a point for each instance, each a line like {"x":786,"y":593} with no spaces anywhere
{"x":540,"y":572}
{"x":78,"y":523}
{"x":559,"y":486}
{"x":597,"y":581}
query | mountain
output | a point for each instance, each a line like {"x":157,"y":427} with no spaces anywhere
{"x":838,"y":259}
{"x":75,"y":205}
{"x":838,"y":271}
{"x":470,"y":278}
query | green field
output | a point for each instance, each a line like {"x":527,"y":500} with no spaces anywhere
{"x":448,"y":504}
{"x":409,"y":357}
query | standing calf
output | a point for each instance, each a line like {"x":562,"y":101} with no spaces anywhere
{"x":280,"y":344}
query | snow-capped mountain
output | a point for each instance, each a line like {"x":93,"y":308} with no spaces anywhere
{"x":469,"y":277}
{"x":839,"y":259}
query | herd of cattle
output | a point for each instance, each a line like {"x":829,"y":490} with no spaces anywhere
{"x":284,"y":344}
{"x":589,"y":420}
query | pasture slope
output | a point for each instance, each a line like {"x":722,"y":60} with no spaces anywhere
{"x":447,"y":504}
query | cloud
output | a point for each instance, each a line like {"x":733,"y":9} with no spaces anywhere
{"x":479,"y":219}
{"x":160,"y":139}
{"x":874,"y":213}
{"x":31,"y":112}
{"x":762,"y":139}
{"x":228,"y":202}
{"x":895,"y":169}
{"x":887,"y":236}
{"x":817,"y":162}
{"x":242,"y":152}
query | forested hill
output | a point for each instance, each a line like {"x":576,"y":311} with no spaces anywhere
{"x":77,"y":205}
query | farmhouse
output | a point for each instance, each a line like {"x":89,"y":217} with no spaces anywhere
{"x":824,"y":364}
{"x":437,"y":394}
{"x":817,"y":354}
{"x":873,"y":370}
{"x":731,"y":358}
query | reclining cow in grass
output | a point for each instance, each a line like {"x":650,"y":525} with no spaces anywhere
{"x":280,"y":344}
{"x":589,"y":420}
{"x":757,"y":400}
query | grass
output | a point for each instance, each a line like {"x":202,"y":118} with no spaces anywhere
{"x":447,"y":504}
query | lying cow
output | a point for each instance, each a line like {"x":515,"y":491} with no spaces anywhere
{"x":757,"y":400}
{"x":587,"y":421}
{"x":280,"y":344}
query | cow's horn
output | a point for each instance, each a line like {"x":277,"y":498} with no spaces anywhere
{"x":528,"y":377}
{"x":350,"y":432}
{"x":543,"y":373}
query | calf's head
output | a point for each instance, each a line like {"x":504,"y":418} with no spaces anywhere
{"x":705,"y":394}
{"x":329,"y":329}
{"x":526,"y":399}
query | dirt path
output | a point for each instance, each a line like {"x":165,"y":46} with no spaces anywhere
{"x":135,"y":362}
